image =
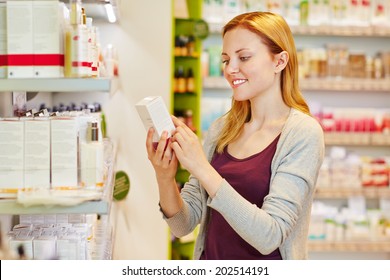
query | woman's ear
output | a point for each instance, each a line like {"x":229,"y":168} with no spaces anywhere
{"x":281,"y":61}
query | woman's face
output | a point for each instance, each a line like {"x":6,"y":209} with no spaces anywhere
{"x":248,"y":65}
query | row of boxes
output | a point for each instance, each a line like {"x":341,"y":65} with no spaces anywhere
{"x":31,"y":43}
{"x":49,"y":152}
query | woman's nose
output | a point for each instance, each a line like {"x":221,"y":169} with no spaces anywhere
{"x":231,"y":68}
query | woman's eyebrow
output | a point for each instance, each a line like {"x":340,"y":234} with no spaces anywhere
{"x":237,"y":51}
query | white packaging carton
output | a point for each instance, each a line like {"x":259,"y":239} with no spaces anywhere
{"x":64,"y":151}
{"x":154,"y":113}
{"x":3,"y":41}
{"x":20,"y":39}
{"x":47,"y":42}
{"x":11,"y":156}
{"x":37,"y":153}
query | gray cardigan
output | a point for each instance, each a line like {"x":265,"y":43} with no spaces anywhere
{"x":283,"y":220}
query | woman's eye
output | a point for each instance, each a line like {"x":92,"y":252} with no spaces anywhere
{"x":225,"y":61}
{"x":244,"y":58}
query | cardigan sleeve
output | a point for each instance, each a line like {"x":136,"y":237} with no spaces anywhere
{"x":193,"y":195}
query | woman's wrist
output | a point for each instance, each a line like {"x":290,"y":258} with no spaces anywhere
{"x":210,"y":179}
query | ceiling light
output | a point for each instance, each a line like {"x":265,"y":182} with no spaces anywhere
{"x":110,"y":13}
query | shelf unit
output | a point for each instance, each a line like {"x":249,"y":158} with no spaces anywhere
{"x":180,"y":102}
{"x":100,"y":206}
{"x":78,"y":202}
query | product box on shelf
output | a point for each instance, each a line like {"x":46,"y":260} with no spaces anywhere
{"x":3,"y":40}
{"x":64,"y":151}
{"x":54,"y":160}
{"x":26,"y":242}
{"x":44,"y":247}
{"x":20,"y":39}
{"x":11,"y":156}
{"x":34,"y":44}
{"x":37,"y":152}
{"x":47,"y":42}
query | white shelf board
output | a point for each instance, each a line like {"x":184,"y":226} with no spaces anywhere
{"x":12,"y":207}
{"x":326,"y":30}
{"x":55,"y":84}
{"x":349,"y":246}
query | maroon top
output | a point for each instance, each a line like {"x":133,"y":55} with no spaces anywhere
{"x":250,"y":177}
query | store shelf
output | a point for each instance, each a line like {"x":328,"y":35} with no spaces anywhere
{"x":334,"y":30}
{"x":350,"y":246}
{"x":314,"y":84}
{"x":12,"y":207}
{"x":357,"y":139}
{"x":326,"y":30}
{"x":345,"y":84}
{"x":343,"y":193}
{"x":55,"y":84}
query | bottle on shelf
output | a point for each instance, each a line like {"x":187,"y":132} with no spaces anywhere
{"x":190,"y":81}
{"x":180,"y":80}
{"x":76,"y":43}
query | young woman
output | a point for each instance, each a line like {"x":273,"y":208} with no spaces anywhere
{"x":252,"y":183}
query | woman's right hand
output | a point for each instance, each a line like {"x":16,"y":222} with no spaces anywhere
{"x":163,"y":158}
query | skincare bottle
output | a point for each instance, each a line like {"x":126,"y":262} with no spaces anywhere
{"x":190,"y":81}
{"x":92,"y":159}
{"x":181,"y":80}
{"x":76,"y":43}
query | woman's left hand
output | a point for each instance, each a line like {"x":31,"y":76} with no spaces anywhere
{"x":188,"y":148}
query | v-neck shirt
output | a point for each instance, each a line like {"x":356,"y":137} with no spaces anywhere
{"x":250,"y":177}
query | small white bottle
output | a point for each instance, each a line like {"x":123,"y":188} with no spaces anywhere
{"x":92,"y":159}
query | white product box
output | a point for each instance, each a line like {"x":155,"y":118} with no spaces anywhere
{"x":68,"y":247}
{"x":11,"y":156}
{"x":38,"y":219}
{"x":62,"y":218}
{"x":50,"y":219}
{"x":64,"y":152}
{"x":20,"y":39}
{"x":76,"y":218}
{"x":37,"y":152}
{"x":47,"y":42}
{"x":26,"y":242}
{"x":3,"y":41}
{"x":154,"y":113}
{"x":45,"y":248}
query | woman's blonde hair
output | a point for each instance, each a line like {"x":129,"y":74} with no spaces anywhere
{"x":276,"y":35}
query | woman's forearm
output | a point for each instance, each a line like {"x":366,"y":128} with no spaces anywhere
{"x":170,"y":199}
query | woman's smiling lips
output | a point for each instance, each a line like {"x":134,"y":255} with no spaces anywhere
{"x":238,"y":82}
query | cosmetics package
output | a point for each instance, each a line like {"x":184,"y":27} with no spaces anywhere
{"x":3,"y":41}
{"x":154,"y":113}
{"x":20,"y":39}
{"x":47,"y":42}
{"x":92,"y":159}
{"x":26,"y":242}
{"x":76,"y":43}
{"x":64,"y":152}
{"x":11,"y":156}
{"x":37,"y":152}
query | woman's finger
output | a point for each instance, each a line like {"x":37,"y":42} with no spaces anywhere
{"x":149,"y":142}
